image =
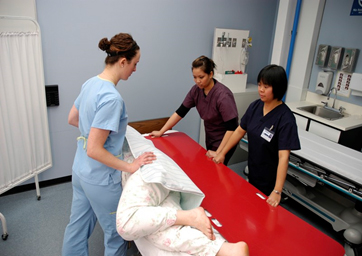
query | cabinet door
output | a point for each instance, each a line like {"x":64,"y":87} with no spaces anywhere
{"x":324,"y":131}
{"x":302,"y":122}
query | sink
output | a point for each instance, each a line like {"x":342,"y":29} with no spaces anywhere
{"x":322,"y":112}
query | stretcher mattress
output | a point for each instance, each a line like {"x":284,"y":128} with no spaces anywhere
{"x":241,"y":209}
{"x":332,"y":156}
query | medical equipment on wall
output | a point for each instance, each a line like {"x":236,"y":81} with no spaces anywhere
{"x":322,"y":55}
{"x":335,"y":59}
{"x":244,"y":56}
{"x":356,"y":84}
{"x":324,"y":81}
{"x":349,"y":60}
{"x":230,"y":54}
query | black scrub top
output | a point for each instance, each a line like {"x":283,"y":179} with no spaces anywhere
{"x":268,"y":134}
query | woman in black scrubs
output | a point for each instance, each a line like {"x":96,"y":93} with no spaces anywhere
{"x":272,"y":133}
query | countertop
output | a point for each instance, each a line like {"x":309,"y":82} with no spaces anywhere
{"x":346,"y":123}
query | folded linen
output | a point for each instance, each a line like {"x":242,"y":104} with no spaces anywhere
{"x":163,"y":170}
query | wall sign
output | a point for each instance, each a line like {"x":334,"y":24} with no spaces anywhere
{"x":356,"y":8}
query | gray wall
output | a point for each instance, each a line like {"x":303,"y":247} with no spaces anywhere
{"x":338,"y":28}
{"x":171,"y":35}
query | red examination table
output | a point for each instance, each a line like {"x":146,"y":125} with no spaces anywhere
{"x":244,"y":215}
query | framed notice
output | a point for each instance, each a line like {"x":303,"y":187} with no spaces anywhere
{"x":356,"y":8}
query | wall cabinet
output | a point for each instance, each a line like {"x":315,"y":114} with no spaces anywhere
{"x":302,"y":122}
{"x":350,"y":138}
{"x":324,"y":131}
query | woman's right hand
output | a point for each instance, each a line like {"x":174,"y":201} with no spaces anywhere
{"x":145,"y":158}
{"x":156,"y":134}
{"x":219,"y":159}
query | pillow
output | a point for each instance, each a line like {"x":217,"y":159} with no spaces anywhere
{"x":164,"y":170}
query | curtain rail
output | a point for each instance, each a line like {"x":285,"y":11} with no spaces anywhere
{"x":26,"y":18}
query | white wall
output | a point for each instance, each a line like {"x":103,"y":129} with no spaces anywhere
{"x":17,"y":8}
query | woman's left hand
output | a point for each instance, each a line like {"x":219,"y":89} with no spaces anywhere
{"x":211,"y":154}
{"x":145,"y":158}
{"x":274,"y":199}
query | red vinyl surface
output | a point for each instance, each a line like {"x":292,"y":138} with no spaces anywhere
{"x":245,"y":216}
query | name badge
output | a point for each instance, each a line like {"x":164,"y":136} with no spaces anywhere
{"x":267,"y":134}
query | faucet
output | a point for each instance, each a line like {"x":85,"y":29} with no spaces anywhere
{"x":335,"y":95}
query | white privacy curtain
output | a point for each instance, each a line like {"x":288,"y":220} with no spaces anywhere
{"x":24,"y":133}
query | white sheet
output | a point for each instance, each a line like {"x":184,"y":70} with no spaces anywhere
{"x":164,"y":171}
{"x":146,"y":248}
{"x":335,"y":157}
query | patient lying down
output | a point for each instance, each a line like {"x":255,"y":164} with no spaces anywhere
{"x":151,"y":211}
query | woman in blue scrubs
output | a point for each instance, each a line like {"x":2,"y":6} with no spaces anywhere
{"x":100,"y":114}
{"x":272,"y":133}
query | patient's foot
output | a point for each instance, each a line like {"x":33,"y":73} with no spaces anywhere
{"x":196,"y":218}
{"x":234,"y":249}
{"x":202,"y":222}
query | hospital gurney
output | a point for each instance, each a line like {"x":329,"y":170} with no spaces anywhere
{"x":239,"y":211}
{"x":326,"y":178}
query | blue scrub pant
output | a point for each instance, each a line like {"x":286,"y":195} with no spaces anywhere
{"x":92,"y":202}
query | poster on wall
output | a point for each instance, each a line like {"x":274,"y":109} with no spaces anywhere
{"x":356,"y":8}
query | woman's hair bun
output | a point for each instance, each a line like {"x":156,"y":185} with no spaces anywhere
{"x":104,"y":44}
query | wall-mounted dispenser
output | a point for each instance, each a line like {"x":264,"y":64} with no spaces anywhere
{"x":335,"y":57}
{"x":324,"y":81}
{"x":349,"y":60}
{"x":322,"y":55}
{"x":356,"y":84}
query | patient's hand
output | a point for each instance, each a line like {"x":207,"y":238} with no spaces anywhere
{"x":211,"y":153}
{"x":156,"y":134}
{"x":145,"y":158}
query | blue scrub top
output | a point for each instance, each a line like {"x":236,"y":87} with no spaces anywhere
{"x":100,"y":106}
{"x":263,"y":155}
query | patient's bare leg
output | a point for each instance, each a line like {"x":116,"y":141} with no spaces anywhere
{"x":196,"y":218}
{"x":234,"y":249}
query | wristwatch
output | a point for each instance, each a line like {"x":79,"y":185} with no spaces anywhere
{"x":276,"y":192}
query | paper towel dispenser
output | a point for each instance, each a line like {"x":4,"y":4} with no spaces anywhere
{"x":356,"y":84}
